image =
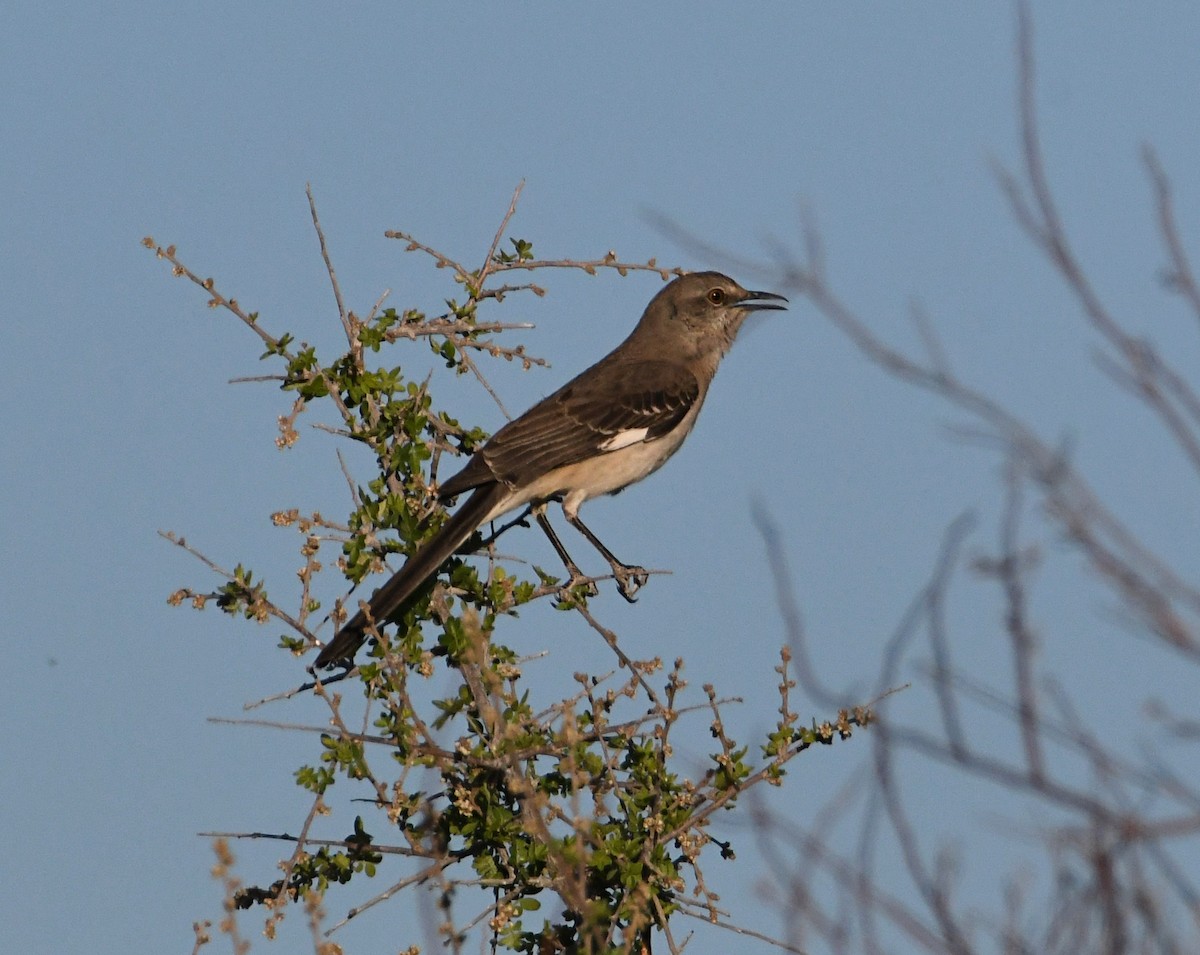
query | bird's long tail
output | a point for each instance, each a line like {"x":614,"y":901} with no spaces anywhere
{"x":420,"y":567}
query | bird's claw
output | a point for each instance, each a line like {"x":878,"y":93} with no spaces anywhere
{"x":579,"y":579}
{"x":630,"y":580}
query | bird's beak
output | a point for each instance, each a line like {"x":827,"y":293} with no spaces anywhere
{"x":758,"y":301}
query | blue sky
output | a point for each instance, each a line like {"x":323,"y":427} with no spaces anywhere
{"x":201,"y":125}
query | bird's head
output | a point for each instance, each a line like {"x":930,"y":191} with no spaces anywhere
{"x":701,"y":312}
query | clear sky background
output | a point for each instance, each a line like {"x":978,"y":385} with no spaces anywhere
{"x":201,"y":125}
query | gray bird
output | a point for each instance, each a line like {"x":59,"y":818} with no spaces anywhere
{"x":607,"y":428}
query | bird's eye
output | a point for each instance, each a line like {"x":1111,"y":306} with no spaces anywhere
{"x":716,"y":296}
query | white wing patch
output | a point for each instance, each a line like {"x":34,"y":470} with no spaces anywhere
{"x":623,"y":439}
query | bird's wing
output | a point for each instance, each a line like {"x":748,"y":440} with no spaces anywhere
{"x":610,"y":406}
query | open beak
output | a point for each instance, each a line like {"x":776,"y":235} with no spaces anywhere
{"x":759,"y":301}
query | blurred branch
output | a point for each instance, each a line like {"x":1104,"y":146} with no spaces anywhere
{"x":1110,"y":827}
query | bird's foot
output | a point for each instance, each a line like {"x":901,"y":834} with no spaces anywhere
{"x":579,"y":579}
{"x":630,"y":580}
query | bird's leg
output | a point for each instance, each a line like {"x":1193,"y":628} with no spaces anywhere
{"x":577,"y":575}
{"x":630,"y":578}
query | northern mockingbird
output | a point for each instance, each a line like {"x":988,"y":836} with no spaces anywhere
{"x":610,"y":426}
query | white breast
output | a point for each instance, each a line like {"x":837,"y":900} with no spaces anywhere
{"x":626,"y":459}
